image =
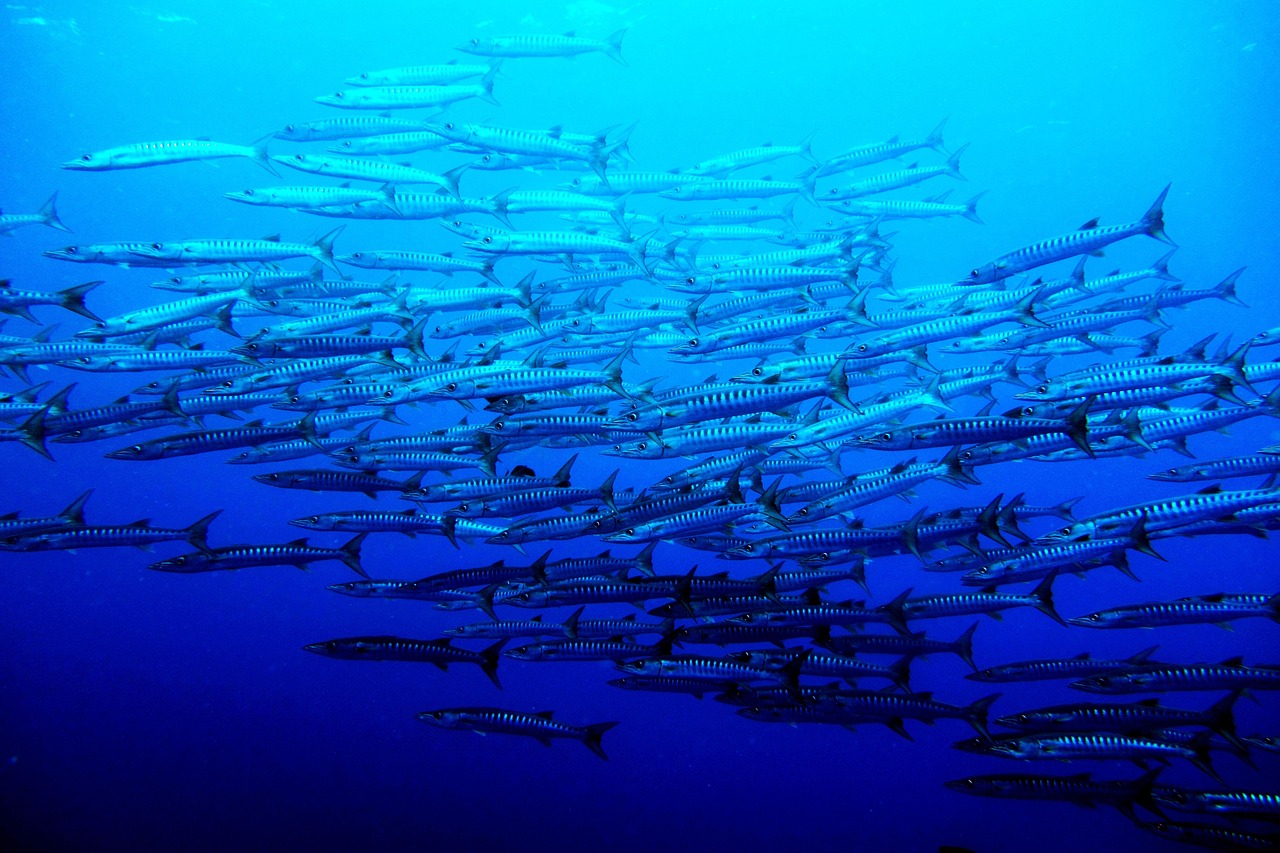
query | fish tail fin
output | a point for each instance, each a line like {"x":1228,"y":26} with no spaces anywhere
{"x":74,"y":513}
{"x":451,"y":181}
{"x":72,"y":299}
{"x":486,"y":86}
{"x":498,"y":207}
{"x":351,"y":555}
{"x":198,"y":533}
{"x":971,"y":208}
{"x":259,"y":155}
{"x":1222,"y":719}
{"x":837,"y":389}
{"x":953,"y":163}
{"x":613,"y":46}
{"x":561,"y":477}
{"x":415,"y":341}
{"x":489,"y":661}
{"x":1161,"y":268}
{"x":1043,"y":595}
{"x":1226,"y":289}
{"x":32,"y":432}
{"x":324,"y":246}
{"x":1153,"y":219}
{"x":934,"y":139}
{"x":975,"y":714}
{"x":488,"y":459}
{"x":48,"y":214}
{"x":591,"y":740}
{"x":1200,"y":756}
{"x":644,"y":560}
{"x":901,"y":672}
{"x":1077,"y":426}
{"x":964,"y":646}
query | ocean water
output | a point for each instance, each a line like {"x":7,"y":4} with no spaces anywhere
{"x":150,"y":711}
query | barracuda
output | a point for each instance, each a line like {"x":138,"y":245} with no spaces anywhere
{"x":1231,"y":674}
{"x":369,"y":170}
{"x":440,"y":653}
{"x":297,"y":553}
{"x":538,"y":726}
{"x":867,"y":155}
{"x":139,"y":534}
{"x":1089,"y":239}
{"x":897,"y":180}
{"x":410,"y":97}
{"x":1213,"y":609}
{"x":145,"y":154}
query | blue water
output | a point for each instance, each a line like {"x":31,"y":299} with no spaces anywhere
{"x":153,"y":711}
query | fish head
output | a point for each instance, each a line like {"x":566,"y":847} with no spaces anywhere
{"x":89,"y":162}
{"x":248,"y":197}
{"x":1101,"y":619}
{"x":490,"y":243}
{"x":1181,"y":474}
{"x":138,"y":452}
{"x":984,"y":274}
{"x":72,"y":253}
{"x":356,"y":589}
{"x":340,"y":98}
{"x":1095,"y":684}
{"x":181,"y":563}
{"x":533,"y":651}
{"x":446,"y":719}
{"x":983,"y":787}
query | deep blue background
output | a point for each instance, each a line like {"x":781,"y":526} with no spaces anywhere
{"x":161,"y":711}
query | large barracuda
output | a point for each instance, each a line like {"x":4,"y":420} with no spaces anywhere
{"x":1089,"y":239}
{"x":143,"y":154}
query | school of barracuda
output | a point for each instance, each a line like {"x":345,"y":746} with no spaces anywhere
{"x":835,"y":360}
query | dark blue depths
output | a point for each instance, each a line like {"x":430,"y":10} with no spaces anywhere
{"x":166,"y":712}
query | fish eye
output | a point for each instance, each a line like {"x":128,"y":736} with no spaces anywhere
{"x":157,"y":246}
{"x":87,"y":157}
{"x":973,"y":274}
{"x":357,"y":254}
{"x":488,"y":240}
{"x":475,"y":42}
{"x":314,"y":519}
{"x":299,"y":157}
{"x":70,"y":250}
{"x":452,"y":386}
{"x":968,"y":454}
{"x":364,"y":76}
{"x":791,"y":437}
{"x":137,"y":448}
{"x":337,"y":94}
{"x":448,"y":125}
{"x":693,"y":343}
{"x":642,"y":445}
{"x":822,"y":328}
{"x":885,"y":436}
{"x":631,"y":531}
{"x":690,"y":280}
{"x":288,"y":128}
{"x":862,"y":347}
{"x":1043,"y":389}
{"x":755,"y":371}
{"x":616,"y":448}
{"x":748,"y":548}
{"x":633,"y":417}
{"x":248,"y":192}
{"x":802,"y":511}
